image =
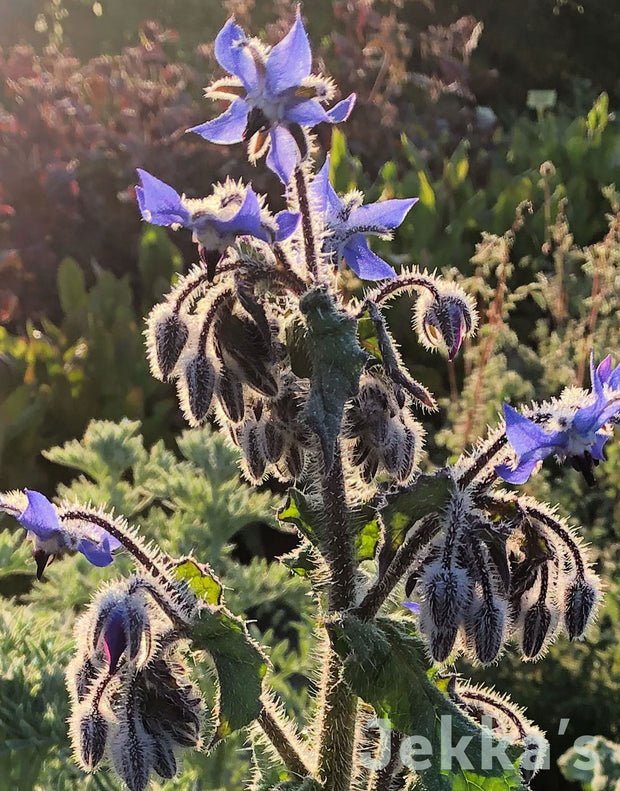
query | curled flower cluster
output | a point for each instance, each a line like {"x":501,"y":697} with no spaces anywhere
{"x":133,"y":704}
{"x":502,"y":565}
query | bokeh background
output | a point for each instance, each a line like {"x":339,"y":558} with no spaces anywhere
{"x":500,"y":116}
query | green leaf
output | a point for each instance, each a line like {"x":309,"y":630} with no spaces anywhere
{"x":367,"y":336}
{"x":299,"y":512}
{"x":302,"y":784}
{"x":367,"y":535}
{"x":429,"y":493}
{"x":336,"y":366}
{"x":302,"y":561}
{"x":201,"y":580}
{"x":386,"y":665}
{"x":239,"y":663}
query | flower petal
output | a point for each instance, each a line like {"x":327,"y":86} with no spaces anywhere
{"x":289,"y":61}
{"x":323,"y":195}
{"x":525,"y":436}
{"x":603,"y":370}
{"x":341,"y":111}
{"x":159,"y":203}
{"x":227,"y":127}
{"x":306,"y":112}
{"x":247,"y":220}
{"x":283,"y":154}
{"x":232,"y":54}
{"x":40,"y":516}
{"x":413,"y":606}
{"x":286,"y":222}
{"x":364,"y":262}
{"x":380,"y":217}
{"x":99,"y":555}
{"x":520,"y":474}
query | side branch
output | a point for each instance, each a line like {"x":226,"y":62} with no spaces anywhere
{"x":405,"y":556}
{"x":284,"y":741}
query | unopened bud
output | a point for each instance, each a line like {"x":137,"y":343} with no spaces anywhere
{"x":169,"y":333}
{"x":230,"y":392}
{"x":487,"y":630}
{"x":199,"y":377}
{"x":164,"y":761}
{"x":535,"y":629}
{"x":93,"y":736}
{"x":580,"y":604}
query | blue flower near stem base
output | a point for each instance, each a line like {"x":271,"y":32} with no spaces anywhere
{"x":233,"y":210}
{"x":273,"y":96}
{"x":51,"y":539}
{"x":346,"y":221}
{"x":579,"y":436}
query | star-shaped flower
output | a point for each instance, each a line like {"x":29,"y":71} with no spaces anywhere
{"x":273,"y":96}
{"x":569,"y":432}
{"x":346,"y":222}
{"x":51,"y":539}
{"x":232,"y":210}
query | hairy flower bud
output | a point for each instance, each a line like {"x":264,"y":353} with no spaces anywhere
{"x":580,"y":603}
{"x":230,"y":394}
{"x":486,"y":626}
{"x":253,"y":451}
{"x":167,"y":334}
{"x":164,"y":760}
{"x":92,"y":738}
{"x":199,"y":382}
{"x":444,"y":318}
{"x":535,"y":629}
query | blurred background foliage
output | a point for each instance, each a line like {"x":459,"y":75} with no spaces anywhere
{"x":500,"y":118}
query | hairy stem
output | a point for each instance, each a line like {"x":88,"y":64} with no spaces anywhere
{"x":338,"y":705}
{"x":281,"y":735}
{"x":301,"y":189}
{"x":383,"y":779}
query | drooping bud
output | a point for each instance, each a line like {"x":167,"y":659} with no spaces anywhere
{"x":535,"y":629}
{"x":164,"y":760}
{"x":132,"y":751}
{"x":84,"y":678}
{"x":199,"y":379}
{"x":446,"y":594}
{"x":243,"y":348}
{"x":580,"y":604}
{"x":486,"y":627}
{"x":93,"y":737}
{"x":444,"y":318}
{"x":230,"y":393}
{"x":253,"y":452}
{"x":167,"y":334}
{"x":273,"y":441}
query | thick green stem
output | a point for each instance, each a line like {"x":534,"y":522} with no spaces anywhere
{"x":338,"y":705}
{"x":281,"y":735}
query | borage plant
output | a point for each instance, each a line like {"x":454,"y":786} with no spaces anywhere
{"x":307,"y":382}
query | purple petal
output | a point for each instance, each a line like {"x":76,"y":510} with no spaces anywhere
{"x":40,"y":516}
{"x":227,"y":127}
{"x":233,"y":56}
{"x":159,"y":203}
{"x":596,"y":451}
{"x":99,"y":555}
{"x":520,"y":474}
{"x":614,"y":378}
{"x":341,"y":111}
{"x":289,"y":61}
{"x":286,"y":222}
{"x":525,"y":436}
{"x":364,"y":262}
{"x":283,"y":153}
{"x":306,"y":112}
{"x":603,"y":370}
{"x":380,"y":217}
{"x":457,"y":323}
{"x":246,"y":221}
{"x":413,"y":606}
{"x":323,"y":196}
{"x":115,"y":638}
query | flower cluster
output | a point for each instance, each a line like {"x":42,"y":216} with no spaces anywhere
{"x":132,"y":701}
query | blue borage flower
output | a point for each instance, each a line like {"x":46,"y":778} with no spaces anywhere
{"x":232,"y":210}
{"x":274,"y":97}
{"x":346,"y":221}
{"x":571,"y":431}
{"x":50,"y":538}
